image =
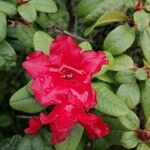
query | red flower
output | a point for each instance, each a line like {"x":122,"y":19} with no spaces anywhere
{"x":66,"y":69}
{"x":34,"y":125}
{"x":65,"y":116}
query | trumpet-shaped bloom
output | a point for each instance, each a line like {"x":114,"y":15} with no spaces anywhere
{"x":66,"y":69}
{"x":65,"y":115}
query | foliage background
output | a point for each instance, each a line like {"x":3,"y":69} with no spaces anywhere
{"x":120,"y":27}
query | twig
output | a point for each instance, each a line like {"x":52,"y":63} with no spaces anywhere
{"x":23,"y":117}
{"x":72,"y":35}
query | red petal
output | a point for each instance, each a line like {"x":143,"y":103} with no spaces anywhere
{"x":64,"y":44}
{"x":57,"y":136}
{"x":94,"y":125}
{"x":34,"y":125}
{"x":36,"y":64}
{"x":93,"y":62}
{"x":44,"y":93}
{"x":65,"y":47}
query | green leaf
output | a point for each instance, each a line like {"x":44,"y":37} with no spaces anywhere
{"x":145,"y":98}
{"x":108,"y":102}
{"x":130,"y":121}
{"x":144,"y":41}
{"x":105,"y":68}
{"x":37,"y":143}
{"x":23,"y":101}
{"x":25,"y":144}
{"x":141,"y":19}
{"x":122,"y":62}
{"x":108,"y":18}
{"x":7,"y":56}
{"x":7,"y":8}
{"x":25,"y":35}
{"x":102,"y":8}
{"x":106,"y":77}
{"x":143,"y":146}
{"x":61,"y":18}
{"x":130,"y":3}
{"x":86,"y":6}
{"x":27,"y":12}
{"x":42,"y":41}
{"x":10,"y":143}
{"x":47,"y":6}
{"x":125,"y":76}
{"x":85,"y":46}
{"x":130,"y":94}
{"x":3,"y":26}
{"x":45,"y":136}
{"x":129,"y":140}
{"x":147,"y":125}
{"x":5,"y":120}
{"x":147,"y":5}
{"x":72,"y":141}
{"x":119,"y":40}
{"x":141,"y":74}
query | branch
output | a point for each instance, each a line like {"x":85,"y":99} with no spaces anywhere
{"x":72,"y":35}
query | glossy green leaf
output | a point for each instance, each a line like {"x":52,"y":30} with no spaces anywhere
{"x":147,"y":5}
{"x":7,"y":56}
{"x":141,"y":74}
{"x":130,"y":94}
{"x":144,"y":41}
{"x":3,"y":26}
{"x":143,"y":146}
{"x":108,"y":18}
{"x":85,"y":46}
{"x":147,"y":125}
{"x":106,"y":77}
{"x":122,"y":62}
{"x":42,"y":41}
{"x":129,"y":140}
{"x":47,"y":6}
{"x":119,"y":40}
{"x":8,"y":8}
{"x":141,"y":19}
{"x":108,"y":102}
{"x":23,"y":101}
{"x":10,"y":143}
{"x":46,"y":137}
{"x":102,"y":8}
{"x":125,"y":76}
{"x":28,"y":12}
{"x":40,"y":141}
{"x":25,"y":35}
{"x":72,"y":140}
{"x":37,"y":143}
{"x":61,"y":18}
{"x":25,"y":144}
{"x":145,"y":98}
{"x":86,"y":6}
{"x":130,"y":121}
{"x":130,"y":3}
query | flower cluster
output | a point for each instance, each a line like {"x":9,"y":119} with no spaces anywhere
{"x":63,"y":79}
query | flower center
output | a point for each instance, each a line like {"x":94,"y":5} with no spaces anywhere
{"x":66,"y":74}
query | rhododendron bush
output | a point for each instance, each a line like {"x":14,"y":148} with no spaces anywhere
{"x":74,"y":74}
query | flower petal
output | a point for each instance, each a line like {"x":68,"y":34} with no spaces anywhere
{"x":93,"y":61}
{"x":65,"y":47}
{"x":34,"y":125}
{"x":57,"y":136}
{"x":36,"y":64}
{"x":94,"y":125}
